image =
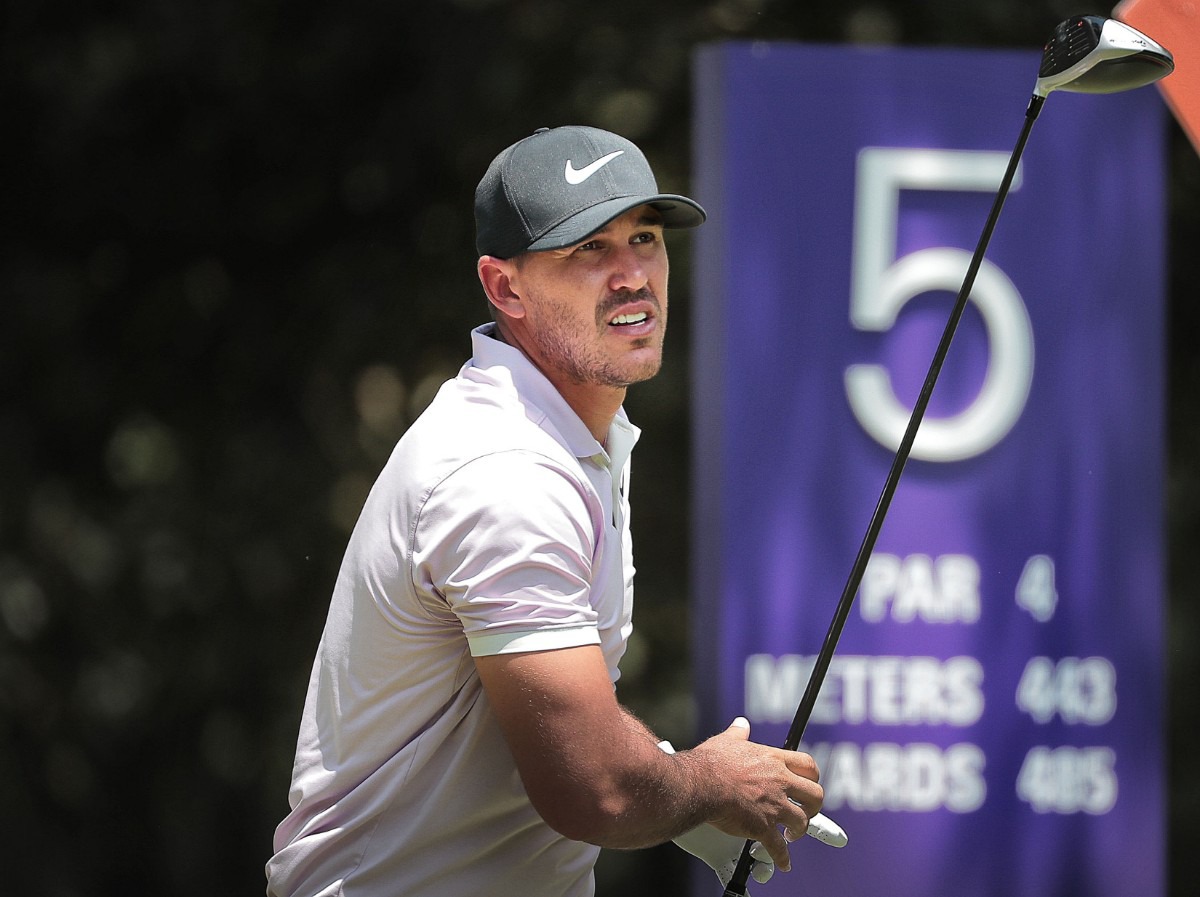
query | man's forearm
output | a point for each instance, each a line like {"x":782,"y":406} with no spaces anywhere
{"x":594,"y":772}
{"x":654,"y":796}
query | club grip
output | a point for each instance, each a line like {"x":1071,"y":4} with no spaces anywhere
{"x":741,"y":873}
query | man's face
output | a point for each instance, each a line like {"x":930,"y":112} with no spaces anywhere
{"x":596,"y":312}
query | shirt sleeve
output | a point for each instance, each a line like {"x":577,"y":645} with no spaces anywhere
{"x":508,"y":542}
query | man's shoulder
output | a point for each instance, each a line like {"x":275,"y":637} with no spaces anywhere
{"x":467,"y":419}
{"x":483,"y":442}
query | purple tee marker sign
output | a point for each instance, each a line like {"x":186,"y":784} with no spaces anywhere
{"x":992,"y":723}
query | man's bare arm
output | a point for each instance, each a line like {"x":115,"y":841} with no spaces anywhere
{"x":595,"y":773}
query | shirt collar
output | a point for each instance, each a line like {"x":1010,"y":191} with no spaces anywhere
{"x":544,"y":402}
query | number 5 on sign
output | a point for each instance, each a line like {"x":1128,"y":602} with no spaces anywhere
{"x":882,"y":285}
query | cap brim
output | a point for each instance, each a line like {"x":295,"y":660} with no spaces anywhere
{"x":677,"y":211}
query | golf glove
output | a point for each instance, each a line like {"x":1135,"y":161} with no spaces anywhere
{"x":721,"y":852}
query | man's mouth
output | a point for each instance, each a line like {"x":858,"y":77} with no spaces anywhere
{"x":625,"y":320}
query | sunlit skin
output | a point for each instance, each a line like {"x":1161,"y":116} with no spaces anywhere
{"x":592,"y":316}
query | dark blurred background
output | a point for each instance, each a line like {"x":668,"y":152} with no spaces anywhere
{"x":237,"y":259}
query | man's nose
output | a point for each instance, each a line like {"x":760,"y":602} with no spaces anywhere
{"x":630,"y":271}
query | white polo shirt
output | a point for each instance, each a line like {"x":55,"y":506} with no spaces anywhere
{"x":498,"y":525}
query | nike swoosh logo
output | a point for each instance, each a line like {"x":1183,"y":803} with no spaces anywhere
{"x":578,"y":176}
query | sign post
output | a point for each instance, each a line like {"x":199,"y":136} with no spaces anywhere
{"x":993,"y":720}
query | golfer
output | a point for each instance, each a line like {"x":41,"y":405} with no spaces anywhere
{"x":461,"y":734}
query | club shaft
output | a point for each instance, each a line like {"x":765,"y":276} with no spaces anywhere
{"x":858,"y":569}
{"x":737,"y":884}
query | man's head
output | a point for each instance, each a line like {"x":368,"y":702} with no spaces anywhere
{"x":572,"y":259}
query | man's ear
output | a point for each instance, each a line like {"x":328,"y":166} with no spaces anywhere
{"x":496,"y":277}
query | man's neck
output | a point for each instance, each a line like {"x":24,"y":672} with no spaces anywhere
{"x":595,"y":405}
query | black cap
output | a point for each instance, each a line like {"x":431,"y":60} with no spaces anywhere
{"x":558,"y":186}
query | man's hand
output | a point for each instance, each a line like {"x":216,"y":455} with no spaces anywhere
{"x":721,"y":852}
{"x":765,"y":787}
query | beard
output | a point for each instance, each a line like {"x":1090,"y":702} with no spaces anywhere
{"x":575,"y":349}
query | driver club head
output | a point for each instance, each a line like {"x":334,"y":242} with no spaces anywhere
{"x":1093,"y":54}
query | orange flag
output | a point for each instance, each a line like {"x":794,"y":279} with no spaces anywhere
{"x":1176,"y":25}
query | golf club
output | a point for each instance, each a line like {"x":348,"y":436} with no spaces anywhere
{"x":1086,"y":54}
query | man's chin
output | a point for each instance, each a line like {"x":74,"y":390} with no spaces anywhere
{"x":639,"y":373}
